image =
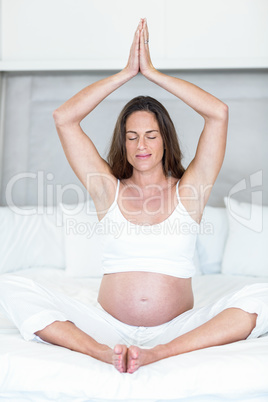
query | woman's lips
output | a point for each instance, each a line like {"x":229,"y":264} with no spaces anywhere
{"x":143,"y":156}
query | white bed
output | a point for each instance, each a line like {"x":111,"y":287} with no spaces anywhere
{"x":32,"y":371}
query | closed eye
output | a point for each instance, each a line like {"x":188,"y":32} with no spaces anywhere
{"x":134,"y":138}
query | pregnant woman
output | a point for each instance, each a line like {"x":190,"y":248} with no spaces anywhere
{"x":145,"y":304}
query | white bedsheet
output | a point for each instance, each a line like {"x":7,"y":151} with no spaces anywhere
{"x":31,"y":371}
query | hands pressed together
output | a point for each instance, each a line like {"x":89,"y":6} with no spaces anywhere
{"x":139,"y":56}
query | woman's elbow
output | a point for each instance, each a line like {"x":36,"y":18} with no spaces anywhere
{"x":223,"y":112}
{"x":58,"y":118}
{"x":63,"y":119}
{"x":219,"y":113}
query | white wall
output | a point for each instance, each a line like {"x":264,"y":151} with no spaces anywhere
{"x":96,"y":34}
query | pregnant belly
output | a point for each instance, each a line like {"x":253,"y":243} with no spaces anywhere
{"x":145,"y":298}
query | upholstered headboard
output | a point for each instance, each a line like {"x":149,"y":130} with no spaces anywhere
{"x":34,"y":160}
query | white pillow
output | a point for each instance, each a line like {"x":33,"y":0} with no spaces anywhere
{"x":211,"y":239}
{"x":247,"y":243}
{"x":82,"y":237}
{"x":29,"y":240}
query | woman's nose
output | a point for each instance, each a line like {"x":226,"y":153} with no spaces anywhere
{"x":141,"y":144}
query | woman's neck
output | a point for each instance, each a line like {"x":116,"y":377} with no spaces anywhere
{"x":148,"y":179}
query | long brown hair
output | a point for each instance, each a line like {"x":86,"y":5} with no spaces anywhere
{"x":117,"y":156}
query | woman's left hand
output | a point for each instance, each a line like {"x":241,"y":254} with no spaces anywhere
{"x":133,"y":64}
{"x":146,"y":65}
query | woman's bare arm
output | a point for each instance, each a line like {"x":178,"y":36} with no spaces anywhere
{"x":80,"y":151}
{"x":197,"y":181}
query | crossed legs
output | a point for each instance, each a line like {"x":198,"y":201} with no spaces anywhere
{"x":231,"y":325}
{"x":68,"y":335}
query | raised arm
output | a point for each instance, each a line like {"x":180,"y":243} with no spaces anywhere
{"x":199,"y":177}
{"x":78,"y":147}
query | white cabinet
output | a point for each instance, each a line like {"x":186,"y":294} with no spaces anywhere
{"x":217,"y":33}
{"x":96,"y":34}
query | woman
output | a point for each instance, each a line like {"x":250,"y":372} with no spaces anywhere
{"x":145,"y":298}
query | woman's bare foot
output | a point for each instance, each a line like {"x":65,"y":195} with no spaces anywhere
{"x":120,"y":358}
{"x":137,"y":357}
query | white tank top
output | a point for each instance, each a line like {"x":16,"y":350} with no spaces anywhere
{"x":166,"y":248}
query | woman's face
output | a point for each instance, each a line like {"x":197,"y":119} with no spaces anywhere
{"x":144,"y":143}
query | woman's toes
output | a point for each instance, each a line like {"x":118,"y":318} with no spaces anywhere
{"x":120,"y":358}
{"x":133,"y":359}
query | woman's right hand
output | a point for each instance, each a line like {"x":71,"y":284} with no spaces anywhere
{"x":146,"y":65}
{"x":133,"y":64}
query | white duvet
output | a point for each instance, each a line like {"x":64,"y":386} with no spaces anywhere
{"x":31,"y":371}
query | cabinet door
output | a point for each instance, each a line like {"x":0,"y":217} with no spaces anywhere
{"x":96,"y":34}
{"x":66,"y":34}
{"x":217,"y":33}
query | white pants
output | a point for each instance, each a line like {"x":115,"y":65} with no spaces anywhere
{"x":32,"y":307}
